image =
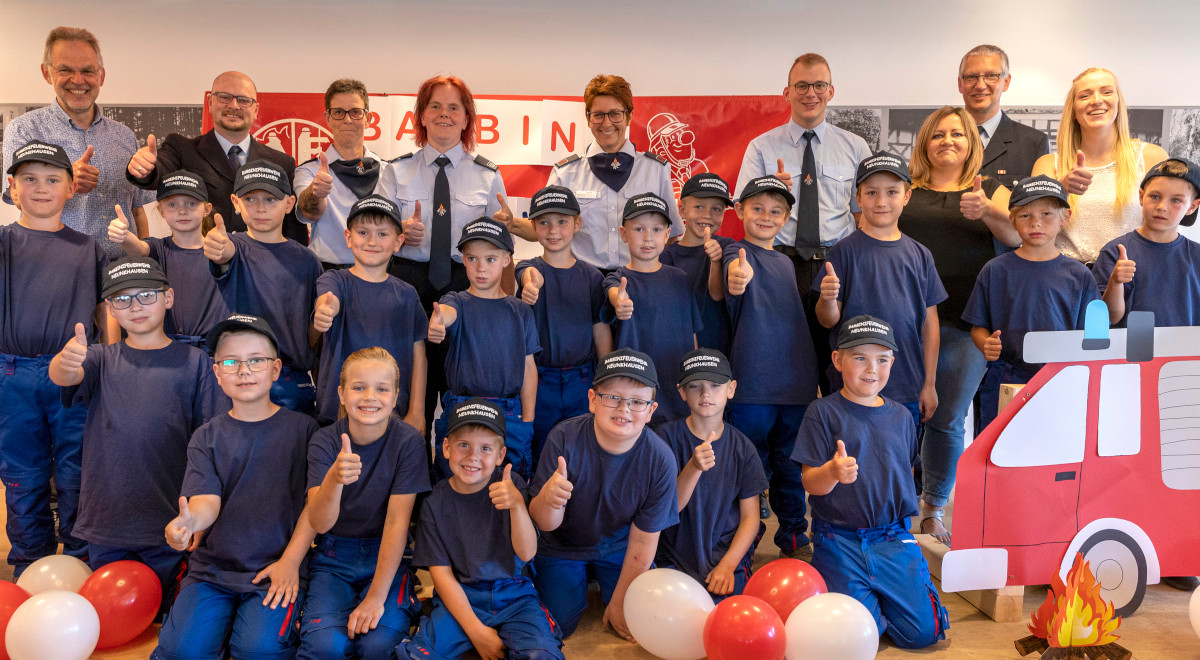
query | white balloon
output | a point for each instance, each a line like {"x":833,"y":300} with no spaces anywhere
{"x":1194,"y":611}
{"x":831,"y":627}
{"x":55,"y":572}
{"x":665,"y":610}
{"x":53,"y":624}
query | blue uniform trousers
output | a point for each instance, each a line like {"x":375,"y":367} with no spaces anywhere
{"x":208,"y":622}
{"x":773,"y":431}
{"x":561,"y":394}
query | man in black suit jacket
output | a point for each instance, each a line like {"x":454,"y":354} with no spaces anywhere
{"x":1011,"y":148}
{"x":233,"y":104}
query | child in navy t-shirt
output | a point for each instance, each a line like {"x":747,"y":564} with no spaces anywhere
{"x":144,"y":397}
{"x":720,"y":478}
{"x":666,"y":319}
{"x":264,"y":274}
{"x":183,"y":203}
{"x":244,"y":487}
{"x":567,"y":300}
{"x":603,"y":492}
{"x":699,"y":252}
{"x":50,"y":279}
{"x":858,"y":450}
{"x":878,"y":270}
{"x":492,"y":341}
{"x":364,"y":306}
{"x":1032,"y":288}
{"x":476,"y":538}
{"x":361,"y":599}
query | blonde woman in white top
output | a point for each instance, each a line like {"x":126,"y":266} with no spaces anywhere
{"x":1099,"y":164}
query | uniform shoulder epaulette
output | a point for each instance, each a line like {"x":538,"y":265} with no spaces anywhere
{"x":405,"y":156}
{"x":480,"y":160}
{"x":310,"y":160}
{"x":568,"y":160}
{"x":653,"y":156}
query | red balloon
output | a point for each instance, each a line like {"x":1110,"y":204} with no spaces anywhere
{"x":784,"y":584}
{"x":11,"y":597}
{"x":126,"y":595}
{"x":742,"y":627}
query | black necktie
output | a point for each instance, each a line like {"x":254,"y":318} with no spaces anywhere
{"x":235,"y":163}
{"x":439,"y":246}
{"x":808,"y":213}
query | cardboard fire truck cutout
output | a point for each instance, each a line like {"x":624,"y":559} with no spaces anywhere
{"x":1099,"y":454}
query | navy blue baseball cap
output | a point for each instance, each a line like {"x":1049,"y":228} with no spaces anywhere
{"x":376,"y":204}
{"x":240,"y":322}
{"x":644,"y":203}
{"x":36,"y":151}
{"x":182,"y":182}
{"x":705,"y":364}
{"x":1033,"y":188}
{"x":262,"y":175}
{"x":628,"y":363}
{"x":882,"y":161}
{"x":486,"y":229}
{"x":553,"y":199}
{"x":132,"y":273}
{"x":707,"y":184}
{"x":864,"y":329}
{"x":765,"y":184}
{"x":1191,"y":175}
{"x":477,"y":410}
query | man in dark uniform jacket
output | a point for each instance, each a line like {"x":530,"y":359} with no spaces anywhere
{"x":1010,"y":148}
{"x":233,"y":104}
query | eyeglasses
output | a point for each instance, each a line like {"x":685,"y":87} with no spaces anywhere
{"x":615,"y":116}
{"x":143,"y":298}
{"x":225,"y":98}
{"x":253,"y":364}
{"x":802,"y":87}
{"x":989,"y":78}
{"x":614,"y":401}
{"x":340,"y":113}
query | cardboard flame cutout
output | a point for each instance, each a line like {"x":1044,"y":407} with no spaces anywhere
{"x":1074,"y":614}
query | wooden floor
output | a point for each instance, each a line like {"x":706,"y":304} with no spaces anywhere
{"x":1159,"y":630}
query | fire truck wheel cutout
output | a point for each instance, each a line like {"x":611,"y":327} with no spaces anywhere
{"x":1120,"y":567}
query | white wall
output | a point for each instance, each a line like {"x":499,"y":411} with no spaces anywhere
{"x":882,"y":53}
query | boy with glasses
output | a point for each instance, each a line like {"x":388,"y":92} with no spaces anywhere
{"x":144,"y":396}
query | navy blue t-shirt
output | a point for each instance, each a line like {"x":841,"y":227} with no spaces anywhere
{"x":665,"y":317}
{"x":771,"y":349}
{"x":487,"y":345}
{"x":709,"y":521}
{"x":895,"y":281}
{"x":49,"y":281}
{"x":610,"y":491}
{"x":468,"y":534}
{"x":568,"y":305}
{"x":395,"y":464}
{"x":387,"y":314}
{"x":1016,"y":296}
{"x":884,"y":442}
{"x":257,"y":469}
{"x":278,"y":282}
{"x":1167,"y":281}
{"x":715,"y":318}
{"x":142,"y":408}
{"x":198,"y":304}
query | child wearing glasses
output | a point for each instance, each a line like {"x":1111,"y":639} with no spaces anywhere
{"x":262,"y":273}
{"x":183,"y":203}
{"x":50,"y":280}
{"x":144,"y":396}
{"x":244,"y":489}
{"x":603,"y":492}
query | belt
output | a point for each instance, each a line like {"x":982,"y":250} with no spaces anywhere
{"x":818,"y":255}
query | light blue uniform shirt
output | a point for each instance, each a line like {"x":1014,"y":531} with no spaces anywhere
{"x":837,"y":153}
{"x":327,"y":234}
{"x":473,"y":189}
{"x":599,"y":242}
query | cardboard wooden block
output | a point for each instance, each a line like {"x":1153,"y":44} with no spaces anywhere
{"x":1005,"y":605}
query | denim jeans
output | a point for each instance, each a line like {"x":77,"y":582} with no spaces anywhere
{"x":959,"y":372}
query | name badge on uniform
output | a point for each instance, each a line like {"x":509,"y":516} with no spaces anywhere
{"x":587,"y":194}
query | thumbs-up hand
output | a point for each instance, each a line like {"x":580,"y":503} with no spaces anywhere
{"x":505,"y":215}
{"x":1124,"y":269}
{"x":326,"y":309}
{"x":437,"y":328}
{"x":972,"y":204}
{"x":624,"y":306}
{"x":504,"y":493}
{"x":531,"y":285}
{"x":711,"y":247}
{"x":179,"y":531}
{"x":844,"y":467}
{"x":831,"y":284}
{"x":75,"y":350}
{"x":144,"y":159}
{"x":118,"y":229}
{"x":218,"y":247}
{"x":992,"y":346}
{"x":322,"y":183}
{"x":87,"y":176}
{"x":703,"y":456}
{"x":1079,"y":178}
{"x":782,"y":175}
{"x":347,"y":466}
{"x":740,"y":274}
{"x":558,"y":488}
{"x":414,"y":229}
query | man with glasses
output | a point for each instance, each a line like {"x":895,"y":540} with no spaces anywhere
{"x":217,"y":154}
{"x":99,"y":147}
{"x":1010,"y":148}
{"x":328,"y":185}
